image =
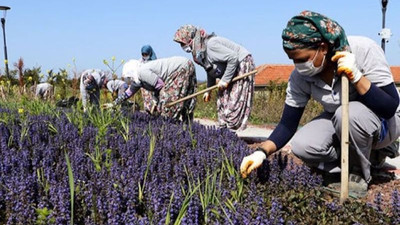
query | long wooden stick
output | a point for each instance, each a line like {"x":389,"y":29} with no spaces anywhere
{"x":208,"y":89}
{"x":344,"y":184}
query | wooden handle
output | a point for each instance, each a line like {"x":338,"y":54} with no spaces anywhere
{"x":208,"y":89}
{"x":344,"y":184}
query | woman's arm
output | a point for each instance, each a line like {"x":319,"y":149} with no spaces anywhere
{"x":285,"y":130}
{"x":219,"y":53}
{"x":382,"y":101}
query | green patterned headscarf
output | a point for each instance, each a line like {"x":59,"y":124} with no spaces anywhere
{"x":308,"y":29}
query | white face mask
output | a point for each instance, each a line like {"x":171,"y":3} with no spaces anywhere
{"x":308,"y":68}
{"x":187,"y":48}
{"x":145,"y":58}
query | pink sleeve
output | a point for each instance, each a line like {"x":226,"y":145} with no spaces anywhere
{"x":159,"y":84}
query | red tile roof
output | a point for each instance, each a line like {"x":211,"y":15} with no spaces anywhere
{"x":267,"y":73}
{"x":280,"y":73}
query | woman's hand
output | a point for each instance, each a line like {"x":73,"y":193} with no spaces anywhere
{"x":251,"y":162}
{"x":207,"y":96}
{"x":346,"y":63}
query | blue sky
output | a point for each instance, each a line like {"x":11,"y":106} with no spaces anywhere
{"x":51,"y":33}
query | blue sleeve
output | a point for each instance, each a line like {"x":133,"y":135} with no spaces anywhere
{"x":382,"y":101}
{"x":211,"y":81}
{"x":287,"y":126}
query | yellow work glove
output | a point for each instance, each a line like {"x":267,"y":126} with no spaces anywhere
{"x":153,"y":107}
{"x":207,"y":96}
{"x":222,"y":85}
{"x":251,"y":162}
{"x":346,"y":63}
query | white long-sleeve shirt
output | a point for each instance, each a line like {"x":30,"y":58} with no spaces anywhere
{"x":115,"y":85}
{"x":42,"y":89}
{"x":226,"y":55}
{"x":150,"y":72}
{"x":95,"y":86}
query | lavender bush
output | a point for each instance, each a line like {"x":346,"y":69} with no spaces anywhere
{"x":146,"y":170}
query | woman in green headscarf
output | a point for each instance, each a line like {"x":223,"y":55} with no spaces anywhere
{"x":320,"y":51}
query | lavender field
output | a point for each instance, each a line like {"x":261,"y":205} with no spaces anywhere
{"x":67,"y":167}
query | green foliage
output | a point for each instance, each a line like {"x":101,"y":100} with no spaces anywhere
{"x":30,"y":106}
{"x":32,"y":76}
{"x":42,"y":180}
{"x":42,"y":216}
{"x":71,"y":186}
{"x":142,"y":186}
{"x":206,"y":109}
{"x":193,"y":188}
{"x":112,"y":67}
{"x":268,"y":105}
{"x":61,"y":81}
{"x":77,"y":117}
{"x":168,"y":217}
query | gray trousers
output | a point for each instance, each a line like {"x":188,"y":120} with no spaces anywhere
{"x":319,"y":140}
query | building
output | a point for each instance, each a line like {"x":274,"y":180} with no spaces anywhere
{"x":279,"y":73}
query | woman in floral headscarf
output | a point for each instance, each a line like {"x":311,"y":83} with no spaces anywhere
{"x":222,"y":59}
{"x":321,"y":53}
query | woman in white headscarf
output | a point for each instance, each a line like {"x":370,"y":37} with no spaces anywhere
{"x":148,"y":55}
{"x":169,"y":79}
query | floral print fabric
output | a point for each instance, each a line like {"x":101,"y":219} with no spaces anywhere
{"x":196,"y":36}
{"x":234,"y":103}
{"x":178,"y":85}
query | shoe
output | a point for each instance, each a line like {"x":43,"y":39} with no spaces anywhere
{"x":358,"y":187}
{"x":378,"y":156}
{"x":330,"y":180}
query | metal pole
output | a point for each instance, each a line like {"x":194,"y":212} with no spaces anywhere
{"x":3,"y":23}
{"x":384,"y":4}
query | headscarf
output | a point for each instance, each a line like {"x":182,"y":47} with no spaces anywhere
{"x":130,"y":69}
{"x":98,"y":78}
{"x":149,"y":50}
{"x":106,"y":76}
{"x":197,"y":35}
{"x":308,"y":29}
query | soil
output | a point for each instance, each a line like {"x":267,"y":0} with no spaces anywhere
{"x":384,"y":184}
